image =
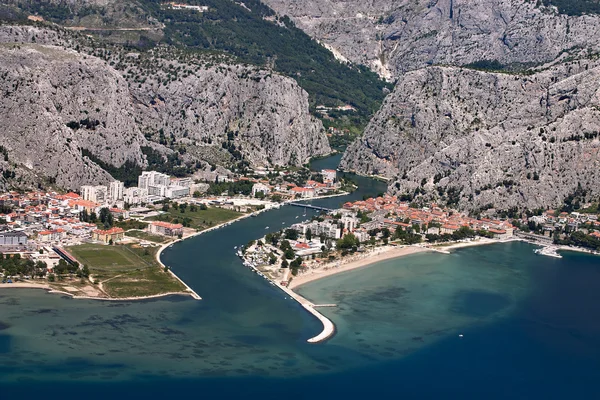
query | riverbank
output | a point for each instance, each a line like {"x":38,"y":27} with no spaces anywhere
{"x":362,"y":260}
{"x":55,"y":290}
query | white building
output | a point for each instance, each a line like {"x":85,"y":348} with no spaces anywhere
{"x":153,"y":178}
{"x":260,"y":188}
{"x":177,"y":192}
{"x":185,"y":182}
{"x":115,"y":191}
{"x":329,"y":175}
{"x":135,"y":195}
{"x":97,"y":194}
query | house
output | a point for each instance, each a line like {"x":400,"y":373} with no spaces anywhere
{"x":302,"y":192}
{"x":499,"y":233}
{"x":86,"y":205}
{"x":106,"y":236}
{"x":51,"y":235}
{"x":449,"y":229}
{"x":329,"y":175}
{"x":165,"y":228}
{"x":118,"y":213}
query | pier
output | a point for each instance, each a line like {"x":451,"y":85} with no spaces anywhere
{"x":310,"y":206}
{"x":324,"y":305}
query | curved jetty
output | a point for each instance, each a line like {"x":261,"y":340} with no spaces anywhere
{"x":328,"y":326}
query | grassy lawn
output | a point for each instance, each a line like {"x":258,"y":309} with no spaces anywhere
{"x":148,"y":236}
{"x":146,"y":282}
{"x":199,"y":219}
{"x":126,"y":270}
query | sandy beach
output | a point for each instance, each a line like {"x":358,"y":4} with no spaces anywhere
{"x":379,"y":254}
{"x":460,"y":245}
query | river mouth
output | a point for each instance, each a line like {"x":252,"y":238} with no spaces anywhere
{"x":477,"y":313}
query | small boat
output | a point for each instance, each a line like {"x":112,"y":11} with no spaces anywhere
{"x":234,"y":247}
{"x":266,"y":227}
{"x":296,"y":216}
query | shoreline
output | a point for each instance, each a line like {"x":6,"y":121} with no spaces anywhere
{"x":378,"y":255}
{"x":51,"y":290}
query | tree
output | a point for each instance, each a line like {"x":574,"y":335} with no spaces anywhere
{"x":284,"y":264}
{"x":291,"y":234}
{"x":289,"y":253}
{"x":106,"y":217}
{"x":308,"y":234}
{"x":349,"y":241}
{"x":61,"y":267}
{"x":110,"y":242}
{"x":93,"y":217}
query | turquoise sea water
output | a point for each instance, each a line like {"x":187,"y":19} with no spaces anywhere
{"x":530,"y":329}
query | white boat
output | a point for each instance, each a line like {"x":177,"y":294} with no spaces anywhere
{"x":266,"y":227}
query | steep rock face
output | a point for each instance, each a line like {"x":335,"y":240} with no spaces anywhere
{"x":476,"y":138}
{"x":397,"y":36}
{"x":45,"y":89}
{"x":264,"y":115}
{"x":68,"y":101}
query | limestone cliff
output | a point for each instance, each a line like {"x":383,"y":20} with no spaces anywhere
{"x":65,"y":94}
{"x":56,"y":102}
{"x":477,"y":139}
{"x":393,"y":36}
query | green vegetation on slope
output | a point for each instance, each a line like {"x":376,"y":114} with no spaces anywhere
{"x":248,"y":34}
{"x":574,"y":7}
{"x":255,"y":35}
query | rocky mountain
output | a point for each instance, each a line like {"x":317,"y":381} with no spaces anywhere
{"x":45,"y":90}
{"x":496,"y":102}
{"x":478,"y":139}
{"x":71,"y":107}
{"x":394,"y":36}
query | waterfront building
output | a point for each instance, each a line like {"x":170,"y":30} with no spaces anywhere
{"x":165,"y":228}
{"x":329,"y":175}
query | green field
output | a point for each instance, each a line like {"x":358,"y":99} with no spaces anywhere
{"x":199,"y":219}
{"x":126,"y":270}
{"x":148,"y":236}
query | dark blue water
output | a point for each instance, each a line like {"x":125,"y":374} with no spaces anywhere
{"x":530,"y":326}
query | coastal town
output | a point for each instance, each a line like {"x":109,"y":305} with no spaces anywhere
{"x":92,"y":243}
{"x":365,"y":229}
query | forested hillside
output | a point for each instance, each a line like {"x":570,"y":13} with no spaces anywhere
{"x":575,"y":7}
{"x":249,"y":31}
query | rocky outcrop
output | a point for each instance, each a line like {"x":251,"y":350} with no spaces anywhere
{"x":55,"y":103}
{"x":256,"y":114}
{"x":392,"y":36}
{"x":480,"y":139}
{"x":58,"y":102}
